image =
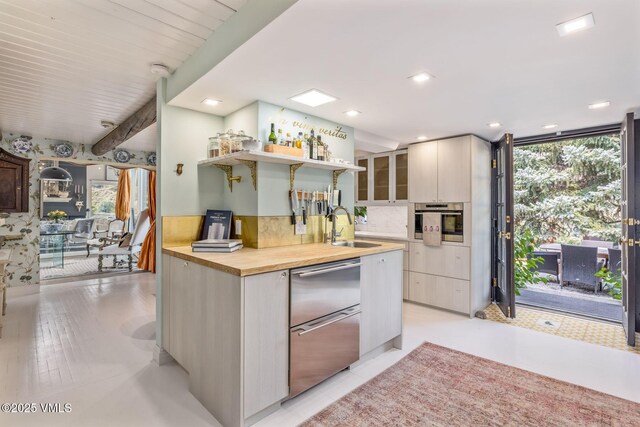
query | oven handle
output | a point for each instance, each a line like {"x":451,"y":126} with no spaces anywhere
{"x":327,"y":270}
{"x":305,"y":329}
{"x":444,"y":213}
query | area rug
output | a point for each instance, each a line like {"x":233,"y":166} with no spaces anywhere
{"x":437,"y":386}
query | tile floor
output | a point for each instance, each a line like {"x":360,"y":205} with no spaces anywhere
{"x":89,"y":343}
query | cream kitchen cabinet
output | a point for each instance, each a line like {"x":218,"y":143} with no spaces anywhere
{"x":454,"y":170}
{"x":440,"y":171}
{"x":381,"y":284}
{"x":444,"y":292}
{"x":386,"y":180}
{"x":423,"y":172}
{"x":446,"y":260}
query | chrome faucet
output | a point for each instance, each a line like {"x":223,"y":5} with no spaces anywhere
{"x":332,"y":215}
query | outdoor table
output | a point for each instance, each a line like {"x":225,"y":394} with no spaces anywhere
{"x":57,"y":240}
{"x":557,"y":247}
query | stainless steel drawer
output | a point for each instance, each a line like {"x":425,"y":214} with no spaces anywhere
{"x":324,"y":289}
{"x":322,"y":348}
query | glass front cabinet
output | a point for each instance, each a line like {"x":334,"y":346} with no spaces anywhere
{"x":386,"y":179}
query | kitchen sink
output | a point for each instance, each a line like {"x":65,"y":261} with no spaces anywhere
{"x":357,"y":244}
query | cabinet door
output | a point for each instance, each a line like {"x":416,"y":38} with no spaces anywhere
{"x":446,"y":260}
{"x":381,"y":177}
{"x":266,"y":340}
{"x":180,"y":277}
{"x":380,"y":300}
{"x":454,"y":169}
{"x":437,"y":291}
{"x":423,"y":172}
{"x":401,"y":177}
{"x":362,"y":181}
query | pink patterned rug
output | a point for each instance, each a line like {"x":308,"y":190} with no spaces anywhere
{"x":437,"y":386}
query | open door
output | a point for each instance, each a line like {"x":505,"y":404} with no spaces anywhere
{"x":629,"y":224}
{"x":502,"y":247}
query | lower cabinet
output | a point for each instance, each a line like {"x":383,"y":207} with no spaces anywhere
{"x":444,"y":292}
{"x":266,"y":340}
{"x":381,"y":291}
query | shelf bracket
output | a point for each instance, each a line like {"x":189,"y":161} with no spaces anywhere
{"x":336,"y":174}
{"x":292,"y":173}
{"x":228,"y":170}
{"x":251,"y":164}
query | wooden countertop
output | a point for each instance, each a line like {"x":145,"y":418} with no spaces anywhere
{"x":248,"y":261}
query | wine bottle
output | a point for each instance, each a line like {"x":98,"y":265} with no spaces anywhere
{"x":272,"y":135}
{"x":314,"y":150}
{"x":310,"y":144}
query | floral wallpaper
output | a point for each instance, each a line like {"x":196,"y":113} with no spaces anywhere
{"x":24,"y":266}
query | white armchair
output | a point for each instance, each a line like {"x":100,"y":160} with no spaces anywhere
{"x":133,"y":246}
{"x":104,"y":237}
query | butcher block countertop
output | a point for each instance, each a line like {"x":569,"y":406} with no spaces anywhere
{"x":248,"y":261}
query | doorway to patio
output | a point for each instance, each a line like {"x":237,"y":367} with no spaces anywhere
{"x":80,"y":225}
{"x":567,"y":218}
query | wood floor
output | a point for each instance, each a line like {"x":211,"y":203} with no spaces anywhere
{"x":90,"y":343}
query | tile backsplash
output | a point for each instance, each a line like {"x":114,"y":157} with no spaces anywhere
{"x":385,"y":219}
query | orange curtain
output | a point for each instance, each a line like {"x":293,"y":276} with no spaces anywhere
{"x":147,"y":258}
{"x":123,"y":196}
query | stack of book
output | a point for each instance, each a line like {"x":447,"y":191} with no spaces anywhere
{"x":216,"y":245}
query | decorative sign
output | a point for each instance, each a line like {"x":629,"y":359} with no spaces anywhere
{"x":337,"y":132}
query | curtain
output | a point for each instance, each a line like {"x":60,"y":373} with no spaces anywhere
{"x":147,"y":258}
{"x":123,"y":196}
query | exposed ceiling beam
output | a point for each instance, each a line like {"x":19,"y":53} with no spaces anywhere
{"x":137,"y":122}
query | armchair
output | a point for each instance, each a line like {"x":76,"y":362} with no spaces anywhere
{"x":126,"y":246}
{"x":108,"y":236}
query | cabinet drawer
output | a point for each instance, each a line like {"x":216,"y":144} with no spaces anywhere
{"x":447,"y":261}
{"x":443,"y":292}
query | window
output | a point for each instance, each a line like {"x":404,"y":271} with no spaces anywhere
{"x":103,"y":199}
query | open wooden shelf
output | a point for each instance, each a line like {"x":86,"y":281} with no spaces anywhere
{"x":260,"y":156}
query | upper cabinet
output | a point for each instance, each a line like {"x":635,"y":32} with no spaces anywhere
{"x":14,"y":176}
{"x":386,"y":178}
{"x":423,"y":172}
{"x":440,"y":171}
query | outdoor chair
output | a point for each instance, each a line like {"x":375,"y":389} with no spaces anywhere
{"x":108,"y":236}
{"x":579,"y":265}
{"x":129,"y":244}
{"x":614,"y":264}
{"x":550,"y":264}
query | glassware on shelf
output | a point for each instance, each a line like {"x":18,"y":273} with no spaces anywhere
{"x":213,"y":149}
{"x":225,"y":144}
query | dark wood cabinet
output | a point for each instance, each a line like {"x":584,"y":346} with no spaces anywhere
{"x":14,"y":183}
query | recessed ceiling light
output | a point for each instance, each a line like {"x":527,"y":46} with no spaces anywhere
{"x":550,"y":126}
{"x":421,"y":138}
{"x":313,"y":98}
{"x":352,"y":113}
{"x":420,"y":78}
{"x":211,"y":102}
{"x":578,"y":24}
{"x":597,"y":105}
{"x":494,"y":124}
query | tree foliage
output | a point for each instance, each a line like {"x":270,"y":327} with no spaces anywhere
{"x":568,"y":190}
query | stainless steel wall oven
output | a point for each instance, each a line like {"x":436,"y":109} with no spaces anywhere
{"x":442,"y":220}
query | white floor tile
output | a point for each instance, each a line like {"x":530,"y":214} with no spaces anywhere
{"x":90,"y":344}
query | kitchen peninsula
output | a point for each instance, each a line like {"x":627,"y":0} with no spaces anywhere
{"x":226,"y":318}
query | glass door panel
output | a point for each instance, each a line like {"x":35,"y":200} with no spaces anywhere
{"x":381,"y":181}
{"x":402,"y":176}
{"x":363,"y":181}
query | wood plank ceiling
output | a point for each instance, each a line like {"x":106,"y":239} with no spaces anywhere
{"x":65,"y":65}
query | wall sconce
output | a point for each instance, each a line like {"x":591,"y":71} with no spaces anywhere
{"x":79,"y":205}
{"x":179,"y":169}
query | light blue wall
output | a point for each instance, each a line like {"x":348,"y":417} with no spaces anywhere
{"x":273,"y":182}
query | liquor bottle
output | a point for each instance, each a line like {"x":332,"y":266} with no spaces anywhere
{"x":314,"y":150}
{"x":310,"y":144}
{"x":272,"y":135}
{"x":321,"y":149}
{"x":288,"y":142}
{"x":305,"y":146}
{"x":299,"y":140}
{"x":280,"y":137}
